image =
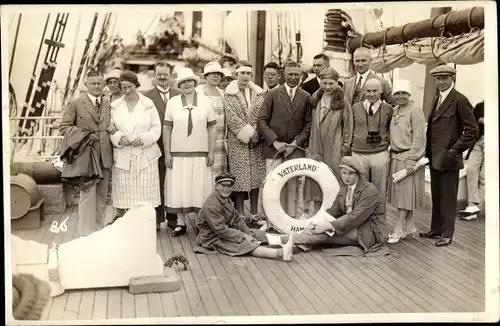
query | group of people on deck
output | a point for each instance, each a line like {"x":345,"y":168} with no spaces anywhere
{"x":203,"y":149}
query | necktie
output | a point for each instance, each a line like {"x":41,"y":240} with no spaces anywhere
{"x":370,"y":110}
{"x":190,"y":122}
{"x":358,"y":87}
{"x":291,"y":94}
{"x":439,"y":102}
{"x":164,"y":95}
{"x":349,"y":199}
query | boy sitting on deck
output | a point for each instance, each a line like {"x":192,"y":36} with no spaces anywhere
{"x":221,"y":229}
{"x":356,"y":218}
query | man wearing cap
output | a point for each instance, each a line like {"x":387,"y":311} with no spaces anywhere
{"x":451,"y":130}
{"x":90,"y":114}
{"x":354,"y":87}
{"x":370,"y":136}
{"x":220,"y":228}
{"x":285,"y":123}
{"x":356,"y":218}
{"x":160,"y":96}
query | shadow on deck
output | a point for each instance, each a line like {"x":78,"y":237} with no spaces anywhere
{"x":416,"y":277}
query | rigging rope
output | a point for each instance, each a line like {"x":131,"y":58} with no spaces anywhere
{"x":68,"y":80}
{"x":248,"y":37}
{"x":15,"y":45}
{"x":135,"y":47}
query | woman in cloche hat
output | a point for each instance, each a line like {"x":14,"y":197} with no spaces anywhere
{"x":407,"y":130}
{"x":213,"y":75}
{"x":113,"y":82}
{"x":189,"y":140}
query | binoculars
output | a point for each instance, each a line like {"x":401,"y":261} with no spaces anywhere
{"x":373,"y":137}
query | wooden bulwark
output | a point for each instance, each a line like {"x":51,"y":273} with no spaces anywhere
{"x":416,"y":277}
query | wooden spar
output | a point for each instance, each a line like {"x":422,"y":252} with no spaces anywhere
{"x":430,"y":84}
{"x":260,"y":48}
{"x":454,"y":23}
{"x":213,"y":48}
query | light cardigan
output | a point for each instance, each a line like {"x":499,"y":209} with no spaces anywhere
{"x":144,"y":122}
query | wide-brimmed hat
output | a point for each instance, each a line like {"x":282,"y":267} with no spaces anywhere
{"x":212,"y":67}
{"x":184,"y":74}
{"x":115,"y":73}
{"x":443,"y":70}
{"x":401,"y":85}
{"x":352,"y":164}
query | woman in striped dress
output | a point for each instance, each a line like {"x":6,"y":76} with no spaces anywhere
{"x":407,"y":135}
{"x":213,"y":75}
{"x":136,"y":129}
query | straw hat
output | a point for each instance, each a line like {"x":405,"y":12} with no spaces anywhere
{"x":115,"y":73}
{"x":401,"y":85}
{"x":184,"y":74}
{"x":212,"y":67}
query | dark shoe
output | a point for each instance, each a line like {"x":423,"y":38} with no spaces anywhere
{"x":443,"y":242}
{"x":430,"y":235}
{"x":179,"y":230}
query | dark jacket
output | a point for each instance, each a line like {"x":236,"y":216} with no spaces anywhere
{"x":221,"y":228}
{"x":478,"y":113}
{"x":284,"y":121}
{"x":81,"y":160}
{"x":367,"y":215}
{"x":311,"y":86}
{"x":452,"y":126}
{"x":80,"y":114}
{"x":350,"y":86}
{"x":155,"y":96}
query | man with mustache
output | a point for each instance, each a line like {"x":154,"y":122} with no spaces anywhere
{"x":451,"y":130}
{"x":284,"y":123}
{"x":160,"y":96}
{"x":354,"y":87}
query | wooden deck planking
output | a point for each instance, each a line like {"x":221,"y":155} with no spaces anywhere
{"x":416,"y":277}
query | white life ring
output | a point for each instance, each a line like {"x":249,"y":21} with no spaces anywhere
{"x":274,"y":182}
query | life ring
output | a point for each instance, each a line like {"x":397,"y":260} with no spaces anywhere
{"x":274,"y":182}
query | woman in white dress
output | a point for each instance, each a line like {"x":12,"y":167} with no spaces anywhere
{"x":135,"y":128}
{"x":189,"y":138}
{"x":213,"y":75}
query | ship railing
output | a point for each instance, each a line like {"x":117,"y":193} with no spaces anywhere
{"x":55,"y":139}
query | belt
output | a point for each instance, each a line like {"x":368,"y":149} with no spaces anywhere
{"x":399,"y":152}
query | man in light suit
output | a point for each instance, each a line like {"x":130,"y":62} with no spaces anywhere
{"x":91,"y":112}
{"x":284,"y":123}
{"x":451,"y":130}
{"x":354,"y":87}
{"x":160,"y":96}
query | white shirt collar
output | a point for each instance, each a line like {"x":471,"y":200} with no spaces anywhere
{"x":92,"y":98}
{"x":288,"y":89}
{"x":161,"y":89}
{"x":445,"y":93}
{"x":365,"y":75}
{"x":375,"y":106}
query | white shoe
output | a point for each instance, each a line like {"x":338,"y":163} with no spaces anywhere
{"x":470,"y":210}
{"x":470,"y":217}
{"x":288,"y":249}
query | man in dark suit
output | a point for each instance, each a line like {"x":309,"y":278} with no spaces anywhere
{"x":354,"y":87}
{"x":451,"y":130}
{"x":160,"y":96}
{"x":284,"y":123}
{"x":272,"y":75}
{"x":320,"y":62}
{"x":91,"y":112}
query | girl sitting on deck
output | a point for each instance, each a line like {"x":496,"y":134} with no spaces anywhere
{"x":221,"y":228}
